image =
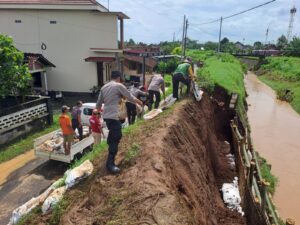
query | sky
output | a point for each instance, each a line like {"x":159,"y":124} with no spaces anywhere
{"x":152,"y":21}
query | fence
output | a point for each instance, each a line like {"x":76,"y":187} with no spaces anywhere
{"x":257,"y":200}
{"x":22,"y":118}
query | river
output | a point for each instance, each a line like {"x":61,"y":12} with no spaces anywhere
{"x":275,"y":129}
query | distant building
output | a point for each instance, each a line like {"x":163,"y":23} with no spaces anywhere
{"x":239,"y":45}
{"x":79,"y":37}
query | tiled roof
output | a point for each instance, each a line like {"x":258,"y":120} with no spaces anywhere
{"x":148,"y":61}
{"x":51,"y":2}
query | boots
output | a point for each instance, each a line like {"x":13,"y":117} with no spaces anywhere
{"x":110,"y":164}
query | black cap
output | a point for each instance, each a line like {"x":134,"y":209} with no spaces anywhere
{"x":115,"y":74}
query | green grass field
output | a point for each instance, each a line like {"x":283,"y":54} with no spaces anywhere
{"x":25,"y":144}
{"x":282,"y":74}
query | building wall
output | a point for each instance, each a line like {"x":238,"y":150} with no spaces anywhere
{"x":68,"y":42}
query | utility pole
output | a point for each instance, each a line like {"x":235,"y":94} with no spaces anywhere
{"x":173,"y":36}
{"x":183,"y":34}
{"x":186,"y":27}
{"x":220,"y":34}
{"x":108,"y":5}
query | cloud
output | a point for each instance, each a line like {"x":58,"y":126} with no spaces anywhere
{"x":156,"y":20}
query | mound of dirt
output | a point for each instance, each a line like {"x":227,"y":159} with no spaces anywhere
{"x":172,"y":170}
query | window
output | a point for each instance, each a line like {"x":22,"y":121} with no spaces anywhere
{"x":37,"y":80}
{"x":18,"y":21}
{"x":52,"y":21}
{"x":87,"y":111}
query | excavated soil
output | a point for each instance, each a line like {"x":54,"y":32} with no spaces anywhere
{"x":175,"y":177}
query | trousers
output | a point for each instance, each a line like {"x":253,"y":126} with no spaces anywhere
{"x":151,"y":99}
{"x":113,"y":140}
{"x":178,"y":77}
{"x":131,"y":112}
{"x":75,"y":125}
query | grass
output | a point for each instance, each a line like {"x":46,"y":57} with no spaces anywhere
{"x":132,"y":152}
{"x":283,"y":75}
{"x":168,"y":84}
{"x":222,"y":70}
{"x":25,"y":144}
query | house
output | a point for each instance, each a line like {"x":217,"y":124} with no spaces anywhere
{"x":239,"y":45}
{"x":134,"y":58}
{"x":79,"y":37}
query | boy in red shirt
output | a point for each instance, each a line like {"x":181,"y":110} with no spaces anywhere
{"x":95,"y":126}
{"x":67,"y":130}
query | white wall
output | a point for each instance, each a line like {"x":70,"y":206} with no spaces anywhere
{"x":68,"y":42}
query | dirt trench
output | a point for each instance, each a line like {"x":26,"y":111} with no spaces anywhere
{"x":174,"y":178}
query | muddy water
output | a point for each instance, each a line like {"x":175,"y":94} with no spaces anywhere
{"x":10,"y":166}
{"x":276,"y":135}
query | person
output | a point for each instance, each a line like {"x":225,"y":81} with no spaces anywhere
{"x":156,"y":83}
{"x":111,"y":94}
{"x":96,"y":127}
{"x":67,"y":130}
{"x":131,"y":107}
{"x":183,"y":73}
{"x":76,"y":119}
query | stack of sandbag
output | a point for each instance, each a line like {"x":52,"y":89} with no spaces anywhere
{"x":152,"y":114}
{"x":79,"y":173}
{"x":231,"y":196}
{"x":32,"y":203}
{"x":53,"y":144}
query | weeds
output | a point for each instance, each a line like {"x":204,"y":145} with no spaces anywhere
{"x":132,"y":152}
{"x":58,"y":211}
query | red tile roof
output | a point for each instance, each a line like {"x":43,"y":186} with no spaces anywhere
{"x":148,"y":61}
{"x":51,"y":2}
{"x":99,"y":59}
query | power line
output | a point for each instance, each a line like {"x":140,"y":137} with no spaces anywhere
{"x":235,"y":14}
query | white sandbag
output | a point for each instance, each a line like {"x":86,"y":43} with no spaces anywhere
{"x":231,"y":160}
{"x":53,"y":199}
{"x":167,"y":102}
{"x":153,"y":113}
{"x":197,"y":91}
{"x":231,"y":195}
{"x":78,"y":173}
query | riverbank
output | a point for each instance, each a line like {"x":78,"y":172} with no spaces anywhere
{"x":283,"y":75}
{"x":275,"y":128}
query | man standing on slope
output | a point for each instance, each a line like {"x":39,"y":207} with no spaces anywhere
{"x":111,"y":94}
{"x":155,"y":84}
{"x":183,"y":73}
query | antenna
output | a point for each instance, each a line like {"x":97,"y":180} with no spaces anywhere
{"x":290,"y":29}
{"x":267,"y":33}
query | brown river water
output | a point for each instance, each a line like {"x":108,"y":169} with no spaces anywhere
{"x":275,"y":132}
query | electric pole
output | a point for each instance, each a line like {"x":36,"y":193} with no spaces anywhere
{"x":220,"y":34}
{"x":173,"y":36}
{"x":183,"y":31}
{"x":185,"y":37}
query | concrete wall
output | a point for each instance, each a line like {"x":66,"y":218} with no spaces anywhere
{"x":68,"y":42}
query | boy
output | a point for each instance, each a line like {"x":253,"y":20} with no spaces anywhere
{"x":67,"y":130}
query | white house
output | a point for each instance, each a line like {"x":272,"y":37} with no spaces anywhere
{"x":80,"y":37}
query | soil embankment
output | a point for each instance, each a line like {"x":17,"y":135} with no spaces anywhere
{"x":174,"y":178}
{"x":275,"y":128}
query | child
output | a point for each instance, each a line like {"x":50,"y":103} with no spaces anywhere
{"x":95,"y":127}
{"x":67,"y":130}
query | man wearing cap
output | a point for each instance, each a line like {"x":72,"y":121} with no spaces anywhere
{"x":67,"y":130}
{"x":111,"y":94}
{"x":96,"y":127}
{"x":183,"y":73}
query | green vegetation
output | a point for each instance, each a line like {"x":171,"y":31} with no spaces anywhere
{"x":30,"y":216}
{"x":14,"y":74}
{"x":25,"y":144}
{"x":132,"y":152}
{"x":283,"y":75}
{"x":221,"y":70}
{"x":58,"y":211}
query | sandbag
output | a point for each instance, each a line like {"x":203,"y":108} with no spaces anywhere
{"x":167,"y":102}
{"x":231,"y":196}
{"x":153,"y":113}
{"x":122,"y":110}
{"x":53,"y":199}
{"x":79,"y":173}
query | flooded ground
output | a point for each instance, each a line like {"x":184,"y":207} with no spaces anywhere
{"x":276,"y":136}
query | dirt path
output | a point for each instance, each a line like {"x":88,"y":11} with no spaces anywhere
{"x":275,"y":130}
{"x":174,"y":178}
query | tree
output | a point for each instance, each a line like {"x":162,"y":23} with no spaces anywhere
{"x":257,"y":45}
{"x":282,"y":42}
{"x":130,"y":42}
{"x":211,"y":46}
{"x":224,"y":41}
{"x":293,"y":48}
{"x":14,"y":74}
